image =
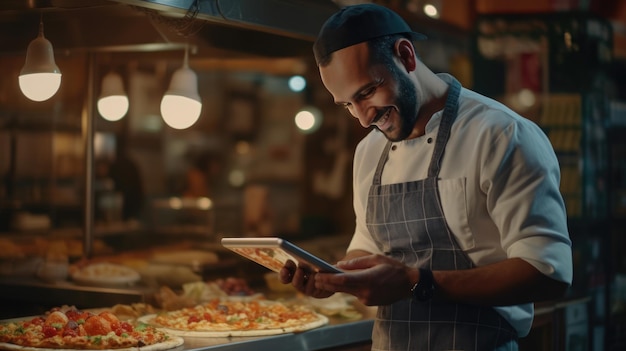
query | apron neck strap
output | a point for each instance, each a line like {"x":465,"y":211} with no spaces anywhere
{"x":449,"y":115}
{"x":378,"y":174}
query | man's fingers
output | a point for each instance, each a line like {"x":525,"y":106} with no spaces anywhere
{"x":287,"y":272}
{"x":300,"y":279}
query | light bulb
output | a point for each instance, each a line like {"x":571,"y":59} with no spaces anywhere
{"x":40,"y":78}
{"x":113,"y":102}
{"x":114,"y":107}
{"x":181,"y":106}
{"x":308,"y":119}
{"x":180,"y":112}
{"x":40,"y":86}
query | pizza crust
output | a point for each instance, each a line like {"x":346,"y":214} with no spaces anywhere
{"x":172,"y":342}
{"x":320,"y":321}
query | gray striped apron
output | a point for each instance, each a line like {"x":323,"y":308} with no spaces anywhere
{"x":406,"y":221}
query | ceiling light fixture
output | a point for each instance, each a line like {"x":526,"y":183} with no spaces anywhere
{"x":113,"y":102}
{"x":181,"y":105}
{"x":40,"y":78}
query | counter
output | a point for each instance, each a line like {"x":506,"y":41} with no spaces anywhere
{"x":557,"y":324}
{"x":333,"y":335}
{"x":338,"y":334}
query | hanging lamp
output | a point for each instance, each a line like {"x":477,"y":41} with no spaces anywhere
{"x":40,"y":78}
{"x":181,"y":105}
{"x":113,"y":102}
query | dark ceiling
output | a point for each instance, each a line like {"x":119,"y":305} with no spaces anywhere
{"x":213,"y":28}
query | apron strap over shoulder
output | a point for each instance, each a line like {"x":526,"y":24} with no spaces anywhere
{"x":449,"y":114}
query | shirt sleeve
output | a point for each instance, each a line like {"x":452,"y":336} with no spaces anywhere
{"x":524,"y":199}
{"x":362,"y":240}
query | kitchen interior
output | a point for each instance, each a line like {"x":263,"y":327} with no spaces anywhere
{"x":81,"y":185}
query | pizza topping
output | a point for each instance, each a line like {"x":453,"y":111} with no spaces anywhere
{"x":49,"y":331}
{"x":74,"y":329}
{"x":110,"y":317}
{"x":71,"y":329}
{"x":96,"y":325}
{"x":57,"y":317}
{"x":234,"y":315}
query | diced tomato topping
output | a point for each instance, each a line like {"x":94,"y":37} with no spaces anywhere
{"x":123,"y":327}
{"x":48,"y":331}
{"x":193,"y":319}
{"x":73,"y":314}
{"x":207,"y":317}
{"x":37,"y":321}
{"x":126,"y":326}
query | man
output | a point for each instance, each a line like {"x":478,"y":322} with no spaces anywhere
{"x":460,"y":224}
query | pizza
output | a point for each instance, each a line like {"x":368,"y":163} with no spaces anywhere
{"x":228,"y":317}
{"x":105,"y":274}
{"x":69,"y":328}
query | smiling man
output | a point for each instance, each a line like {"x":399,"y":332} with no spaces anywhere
{"x":460,"y":225}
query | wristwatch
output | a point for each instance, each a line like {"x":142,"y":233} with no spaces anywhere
{"x":425,"y":287}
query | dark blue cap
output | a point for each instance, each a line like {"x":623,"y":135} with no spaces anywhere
{"x":356,"y":24}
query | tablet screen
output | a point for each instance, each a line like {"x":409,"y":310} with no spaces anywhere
{"x":273,"y":252}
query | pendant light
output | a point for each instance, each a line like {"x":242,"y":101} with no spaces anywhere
{"x":181,"y":105}
{"x":113,"y":102}
{"x":40,"y":77}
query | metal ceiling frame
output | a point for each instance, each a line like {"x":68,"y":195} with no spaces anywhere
{"x":299,"y":19}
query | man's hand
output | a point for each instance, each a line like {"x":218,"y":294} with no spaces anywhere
{"x":302,"y":279}
{"x":373,"y":279}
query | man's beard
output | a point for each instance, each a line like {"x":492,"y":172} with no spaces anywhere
{"x":407,"y":104}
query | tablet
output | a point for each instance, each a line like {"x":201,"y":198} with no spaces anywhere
{"x":273,"y":252}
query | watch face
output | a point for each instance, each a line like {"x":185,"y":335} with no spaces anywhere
{"x":423,"y":290}
{"x":422,"y":293}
